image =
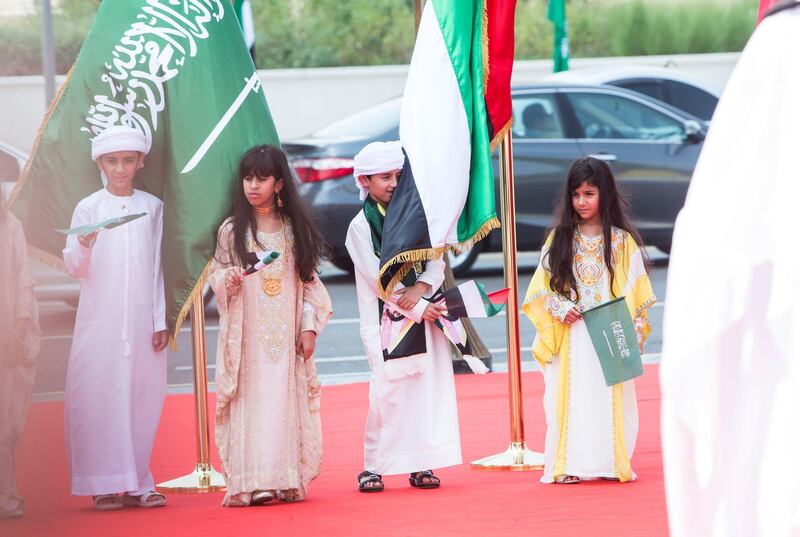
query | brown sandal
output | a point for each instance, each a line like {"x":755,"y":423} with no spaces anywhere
{"x":424,"y":480}
{"x":370,"y":482}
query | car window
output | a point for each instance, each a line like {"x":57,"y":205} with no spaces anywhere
{"x":694,"y":100}
{"x":368,"y":123}
{"x":604,"y":116}
{"x":535,"y":116}
{"x":651,"y":88}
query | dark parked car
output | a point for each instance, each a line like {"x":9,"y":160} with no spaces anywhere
{"x":651,"y":146}
{"x":667,"y":84}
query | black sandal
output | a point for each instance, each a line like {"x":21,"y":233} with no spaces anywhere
{"x":424,"y":480}
{"x":366,"y":477}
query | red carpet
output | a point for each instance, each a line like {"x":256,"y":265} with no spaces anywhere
{"x":469,"y":503}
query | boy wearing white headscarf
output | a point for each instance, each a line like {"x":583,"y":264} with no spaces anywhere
{"x":116,"y":376}
{"x":412,"y":424}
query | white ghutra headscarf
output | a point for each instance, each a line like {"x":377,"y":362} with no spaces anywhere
{"x":118,"y":138}
{"x":377,"y":157}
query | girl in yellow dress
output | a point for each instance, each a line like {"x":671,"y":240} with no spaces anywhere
{"x":592,"y":255}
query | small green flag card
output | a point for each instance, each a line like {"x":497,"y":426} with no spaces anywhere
{"x":614,"y":339}
{"x":105,"y":224}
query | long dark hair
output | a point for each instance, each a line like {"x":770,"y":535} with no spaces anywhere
{"x":613,"y":212}
{"x":309,"y":247}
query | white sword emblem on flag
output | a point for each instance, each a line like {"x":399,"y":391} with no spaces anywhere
{"x":252,"y":84}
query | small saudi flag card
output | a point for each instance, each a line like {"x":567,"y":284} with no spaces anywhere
{"x":105,"y":224}
{"x":614,"y":339}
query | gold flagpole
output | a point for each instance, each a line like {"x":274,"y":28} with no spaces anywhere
{"x":204,"y":478}
{"x":517,"y":456}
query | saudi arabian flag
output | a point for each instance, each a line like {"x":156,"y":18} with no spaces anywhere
{"x":557,"y":13}
{"x":179,"y":72}
{"x":456,"y":107}
{"x":614,"y":340}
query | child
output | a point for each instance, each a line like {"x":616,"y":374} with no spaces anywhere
{"x":268,"y":427}
{"x":19,"y":341}
{"x":116,"y":376}
{"x":412,"y":424}
{"x":591,"y":256}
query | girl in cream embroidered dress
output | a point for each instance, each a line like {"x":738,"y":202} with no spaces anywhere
{"x":270,"y":438}
{"x":268,"y":429}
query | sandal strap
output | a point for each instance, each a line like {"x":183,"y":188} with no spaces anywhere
{"x":144,"y":498}
{"x":368,"y":477}
{"x":419,"y":476}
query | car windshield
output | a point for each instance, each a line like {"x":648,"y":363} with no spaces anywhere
{"x":368,"y":123}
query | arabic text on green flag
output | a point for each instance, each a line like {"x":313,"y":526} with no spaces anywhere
{"x":614,"y":340}
{"x":180,"y":72}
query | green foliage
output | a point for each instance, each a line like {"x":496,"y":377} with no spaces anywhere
{"x":320,"y":33}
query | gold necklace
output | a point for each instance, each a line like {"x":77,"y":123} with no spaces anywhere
{"x":271,"y":285}
{"x":588,"y":249}
{"x":264,"y":210}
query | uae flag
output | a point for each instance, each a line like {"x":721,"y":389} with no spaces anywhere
{"x":456,"y":108}
{"x":181,"y":73}
{"x":471,"y":300}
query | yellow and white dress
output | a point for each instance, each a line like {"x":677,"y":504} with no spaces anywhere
{"x":591,"y":428}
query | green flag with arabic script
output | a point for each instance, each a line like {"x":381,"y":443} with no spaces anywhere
{"x":614,"y":340}
{"x":557,"y":13}
{"x":181,"y":73}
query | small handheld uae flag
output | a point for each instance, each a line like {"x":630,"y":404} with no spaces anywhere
{"x":456,"y":107}
{"x":180,"y":73}
{"x":471,"y":300}
{"x":260,"y":261}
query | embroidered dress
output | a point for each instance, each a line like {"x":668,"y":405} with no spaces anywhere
{"x":591,"y":428}
{"x":268,"y":426}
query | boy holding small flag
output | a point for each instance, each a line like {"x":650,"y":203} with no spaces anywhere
{"x":412,"y":424}
{"x":116,"y":376}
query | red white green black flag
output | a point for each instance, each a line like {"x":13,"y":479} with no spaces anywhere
{"x":456,"y":108}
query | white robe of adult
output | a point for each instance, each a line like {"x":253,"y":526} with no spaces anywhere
{"x":730,"y":369}
{"x":412,"y":423}
{"x":115,"y":380}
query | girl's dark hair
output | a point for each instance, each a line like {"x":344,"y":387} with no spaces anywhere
{"x":613,"y":212}
{"x":309,"y":247}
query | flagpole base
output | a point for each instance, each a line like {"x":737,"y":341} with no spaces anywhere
{"x":204,"y":479}
{"x":517,"y":458}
